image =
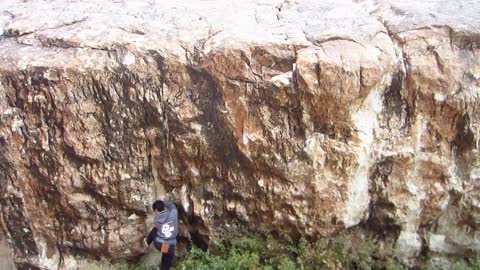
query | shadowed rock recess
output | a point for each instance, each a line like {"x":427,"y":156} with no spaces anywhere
{"x":304,"y":118}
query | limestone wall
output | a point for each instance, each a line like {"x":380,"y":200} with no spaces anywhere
{"x":302,"y":117}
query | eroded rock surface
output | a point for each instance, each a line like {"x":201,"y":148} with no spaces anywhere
{"x":304,"y":118}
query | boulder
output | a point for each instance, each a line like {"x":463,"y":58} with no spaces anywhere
{"x":302,"y":118}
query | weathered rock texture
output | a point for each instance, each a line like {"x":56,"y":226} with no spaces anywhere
{"x":5,"y":256}
{"x":304,"y":118}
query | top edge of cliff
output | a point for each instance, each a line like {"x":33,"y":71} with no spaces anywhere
{"x":62,"y":33}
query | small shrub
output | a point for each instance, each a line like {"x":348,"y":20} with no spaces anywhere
{"x":473,"y":264}
{"x":323,"y":254}
{"x":390,"y":264}
{"x":259,"y":252}
{"x":287,"y":264}
{"x":228,"y":259}
{"x":460,"y":265}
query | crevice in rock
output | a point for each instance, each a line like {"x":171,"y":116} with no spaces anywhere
{"x":336,"y":38}
{"x":11,"y":32}
{"x":17,"y":223}
{"x":308,"y":37}
{"x":46,"y":42}
{"x":12,"y":16}
{"x":132,"y":31}
{"x":72,"y":155}
{"x":380,"y":208}
{"x":279,"y":10}
{"x":211,"y":34}
{"x":199,"y":233}
{"x":464,"y":139}
{"x":14,"y":33}
{"x":400,"y":78}
{"x":69,"y":23}
{"x":439,"y":61}
{"x":394,"y":101}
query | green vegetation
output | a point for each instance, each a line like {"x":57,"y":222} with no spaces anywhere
{"x":464,"y":265}
{"x":266,"y":253}
{"x":105,"y":264}
{"x":263,"y":252}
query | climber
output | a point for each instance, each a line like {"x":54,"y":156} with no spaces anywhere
{"x":164,"y":234}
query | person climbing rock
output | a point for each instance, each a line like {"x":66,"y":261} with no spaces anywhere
{"x":164,"y":234}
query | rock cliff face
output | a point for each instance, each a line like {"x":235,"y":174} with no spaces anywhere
{"x":304,"y":118}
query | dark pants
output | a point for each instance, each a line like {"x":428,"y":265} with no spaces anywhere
{"x":167,"y":258}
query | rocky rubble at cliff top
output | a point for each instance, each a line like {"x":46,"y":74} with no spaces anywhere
{"x":304,"y":118}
